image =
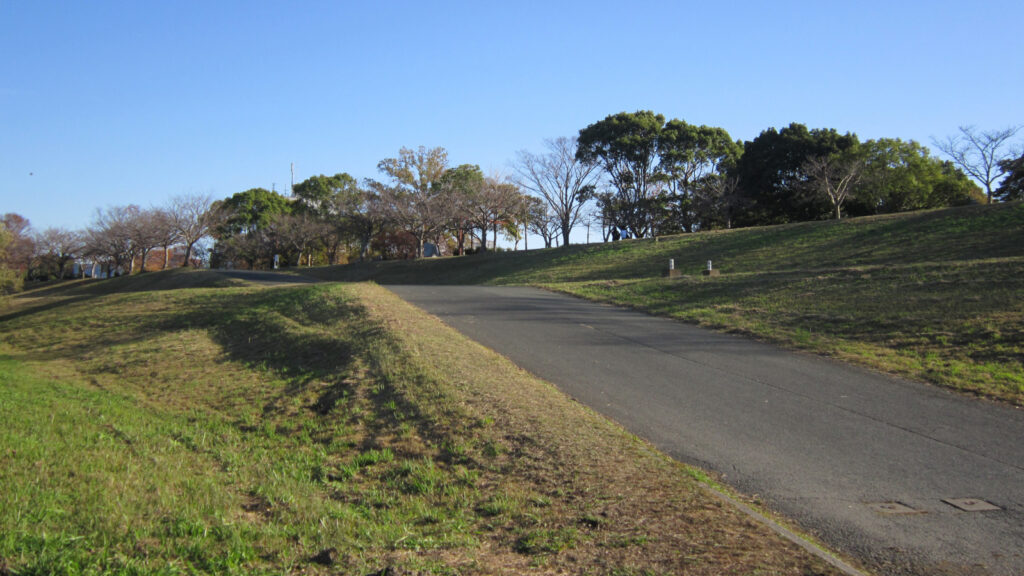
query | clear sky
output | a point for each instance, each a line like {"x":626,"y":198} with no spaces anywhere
{"x":108,"y":103}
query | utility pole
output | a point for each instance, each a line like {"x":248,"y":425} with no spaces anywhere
{"x":292,"y":191}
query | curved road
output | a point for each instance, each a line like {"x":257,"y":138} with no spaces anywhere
{"x":870,"y":464}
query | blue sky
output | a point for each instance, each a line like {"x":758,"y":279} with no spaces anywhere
{"x":110,"y":103}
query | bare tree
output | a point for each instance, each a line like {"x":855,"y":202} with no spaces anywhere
{"x":560,"y":179}
{"x":832,"y":176}
{"x":979,"y":154}
{"x":715,"y":201}
{"x":420,"y":215}
{"x":299,"y":232}
{"x":56,"y":248}
{"x":109,"y":239}
{"x":147,"y":232}
{"x":192,"y":219}
{"x":164,"y":232}
{"x":541,"y":220}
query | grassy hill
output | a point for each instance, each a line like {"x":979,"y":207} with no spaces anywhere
{"x":935,"y":296}
{"x":183,"y":423}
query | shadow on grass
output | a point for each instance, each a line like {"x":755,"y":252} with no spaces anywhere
{"x":67,"y":292}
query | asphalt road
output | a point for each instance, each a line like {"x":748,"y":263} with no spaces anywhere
{"x":861,"y":460}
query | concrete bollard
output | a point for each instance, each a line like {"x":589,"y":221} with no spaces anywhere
{"x":672,"y":272}
{"x":710,"y":271}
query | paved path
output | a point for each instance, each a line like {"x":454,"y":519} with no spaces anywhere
{"x":836,"y":448}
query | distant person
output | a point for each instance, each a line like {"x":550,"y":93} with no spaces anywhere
{"x":615,"y":234}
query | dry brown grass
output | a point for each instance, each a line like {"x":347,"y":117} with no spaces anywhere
{"x":623,"y":503}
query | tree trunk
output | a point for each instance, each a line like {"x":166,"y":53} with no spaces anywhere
{"x":188,"y":255}
{"x":167,"y":257}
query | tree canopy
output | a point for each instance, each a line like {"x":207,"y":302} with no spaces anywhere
{"x":772,"y":174}
{"x":249,"y":211}
{"x":1012,"y":187}
{"x":625,"y":145}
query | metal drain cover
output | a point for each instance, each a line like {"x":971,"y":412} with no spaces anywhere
{"x":892,"y":508}
{"x":971,"y":504}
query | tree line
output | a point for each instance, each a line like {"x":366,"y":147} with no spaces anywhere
{"x":119,"y":240}
{"x":635,"y":174}
{"x":667,"y":177}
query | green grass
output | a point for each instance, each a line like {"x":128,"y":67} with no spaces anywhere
{"x":936,"y":296}
{"x":211,"y":432}
{"x":177,"y":423}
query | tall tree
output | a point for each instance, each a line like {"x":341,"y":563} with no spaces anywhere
{"x":625,"y":145}
{"x":248,"y":211}
{"x":165,"y":233}
{"x":772,"y":174}
{"x":192,"y":219}
{"x":56,"y":248}
{"x":462,"y":188}
{"x":689,"y":154}
{"x":411,"y":194}
{"x":367,"y":218}
{"x":334,"y":201}
{"x":20,"y":247}
{"x":243,"y":223}
{"x":560,"y":178}
{"x":109,"y":238}
{"x":298,"y":233}
{"x":10,"y":278}
{"x":1012,"y":187}
{"x":540,"y":220}
{"x":980,"y":153}
{"x":146,"y":232}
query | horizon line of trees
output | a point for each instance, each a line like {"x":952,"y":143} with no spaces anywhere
{"x":637,"y":173}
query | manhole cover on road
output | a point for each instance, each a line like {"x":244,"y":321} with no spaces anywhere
{"x":971,"y":504}
{"x":893,"y":508}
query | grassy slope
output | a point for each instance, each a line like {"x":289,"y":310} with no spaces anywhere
{"x":180,"y":423}
{"x":936,"y":296}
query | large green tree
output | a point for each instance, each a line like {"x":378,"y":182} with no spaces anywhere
{"x":900,"y":176}
{"x":250,"y":211}
{"x":625,"y":145}
{"x":689,"y":155}
{"x":337,"y":203}
{"x":462,"y":188}
{"x":1012,"y":187}
{"x":326,"y":197}
{"x":244,"y":224}
{"x":772,"y":174}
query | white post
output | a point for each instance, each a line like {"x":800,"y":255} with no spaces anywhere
{"x":671,"y":264}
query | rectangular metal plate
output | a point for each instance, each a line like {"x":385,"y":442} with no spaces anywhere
{"x":971,"y":504}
